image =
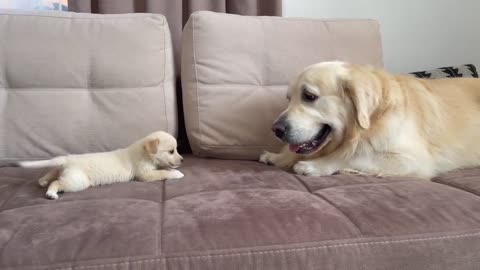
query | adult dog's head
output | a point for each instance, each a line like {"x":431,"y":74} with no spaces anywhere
{"x":328,"y":102}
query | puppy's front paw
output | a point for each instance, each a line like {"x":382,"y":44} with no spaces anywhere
{"x":175,"y":174}
{"x":267,"y":158}
{"x":52,"y":195}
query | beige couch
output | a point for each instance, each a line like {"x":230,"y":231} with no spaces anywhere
{"x":75,"y":83}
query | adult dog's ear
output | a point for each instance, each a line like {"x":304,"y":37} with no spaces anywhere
{"x":151,"y":146}
{"x":364,"y":91}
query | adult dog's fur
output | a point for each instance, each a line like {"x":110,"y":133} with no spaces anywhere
{"x":151,"y":158}
{"x":377,"y":123}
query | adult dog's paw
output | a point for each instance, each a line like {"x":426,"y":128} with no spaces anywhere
{"x":351,"y":172}
{"x":267,"y":158}
{"x":312,"y":168}
{"x":175,"y":174}
{"x":306,"y":168}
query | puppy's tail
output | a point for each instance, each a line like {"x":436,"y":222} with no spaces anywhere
{"x":54,"y":162}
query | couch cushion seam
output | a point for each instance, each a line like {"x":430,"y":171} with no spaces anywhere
{"x":458,"y":187}
{"x":88,"y":89}
{"x":303,"y":183}
{"x":233,"y":189}
{"x":94,"y":18}
{"x":384,"y":242}
{"x":357,"y":229}
{"x":2,"y":210}
{"x":160,"y":244}
{"x":164,"y":77}
{"x":273,"y":251}
{"x":194,"y":52}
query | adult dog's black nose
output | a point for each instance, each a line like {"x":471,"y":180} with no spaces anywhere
{"x":280,"y":128}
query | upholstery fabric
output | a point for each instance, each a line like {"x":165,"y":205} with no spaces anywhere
{"x":243,"y":215}
{"x":76,"y":83}
{"x":235,"y":72}
{"x":448,"y":72}
{"x":177,"y":13}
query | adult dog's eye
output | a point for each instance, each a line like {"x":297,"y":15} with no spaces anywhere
{"x":172,"y":151}
{"x":308,"y":97}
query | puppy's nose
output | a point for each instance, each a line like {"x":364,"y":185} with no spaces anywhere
{"x":280,"y":129}
{"x":181,"y":160}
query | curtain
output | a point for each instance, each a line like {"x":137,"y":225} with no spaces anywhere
{"x":178,"y":11}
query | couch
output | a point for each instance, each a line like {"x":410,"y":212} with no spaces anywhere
{"x":77,"y":83}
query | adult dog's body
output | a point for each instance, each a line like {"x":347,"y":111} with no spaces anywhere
{"x":344,"y":117}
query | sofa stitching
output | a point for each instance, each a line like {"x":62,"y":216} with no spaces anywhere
{"x":90,"y":58}
{"x":3,"y":54}
{"x":386,"y":183}
{"x":194,"y":51}
{"x":263,"y":55}
{"x":97,"y":18}
{"x":291,"y":18}
{"x":357,"y":229}
{"x":458,"y":187}
{"x":164,"y":73}
{"x":303,"y":184}
{"x":75,"y":201}
{"x":331,"y":39}
{"x":350,"y":220}
{"x":384,"y":242}
{"x":233,"y":189}
{"x":160,"y":244}
{"x":273,"y":251}
{"x":55,"y":88}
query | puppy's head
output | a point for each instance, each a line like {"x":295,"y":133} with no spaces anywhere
{"x":161,"y":147}
{"x":326,"y":101}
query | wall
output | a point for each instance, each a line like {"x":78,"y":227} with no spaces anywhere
{"x":416,"y":34}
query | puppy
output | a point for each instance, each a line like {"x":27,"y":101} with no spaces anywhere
{"x":152,"y":158}
{"x":358,"y":119}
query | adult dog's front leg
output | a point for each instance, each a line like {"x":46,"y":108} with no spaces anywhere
{"x":285,"y":159}
{"x":315,"y":167}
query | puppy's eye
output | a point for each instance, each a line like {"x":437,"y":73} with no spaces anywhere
{"x":308,"y":97}
{"x":172,"y":151}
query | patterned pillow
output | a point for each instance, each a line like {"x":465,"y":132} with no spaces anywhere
{"x":448,"y":72}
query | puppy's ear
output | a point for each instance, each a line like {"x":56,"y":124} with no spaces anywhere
{"x":364,"y":92}
{"x":151,"y":146}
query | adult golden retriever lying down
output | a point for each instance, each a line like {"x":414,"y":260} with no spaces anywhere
{"x":351,"y":118}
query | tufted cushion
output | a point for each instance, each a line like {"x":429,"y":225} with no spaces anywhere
{"x":67,"y":81}
{"x":235,"y":72}
{"x":243,"y":215}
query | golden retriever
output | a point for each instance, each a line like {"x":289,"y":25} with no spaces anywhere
{"x":154,"y":157}
{"x":343,"y":117}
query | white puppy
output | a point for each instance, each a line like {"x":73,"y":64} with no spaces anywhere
{"x":151,"y":158}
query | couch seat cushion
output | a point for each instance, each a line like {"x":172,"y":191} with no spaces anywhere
{"x":243,"y":215}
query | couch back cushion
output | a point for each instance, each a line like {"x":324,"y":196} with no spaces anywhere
{"x":236,"y":70}
{"x":76,"y":83}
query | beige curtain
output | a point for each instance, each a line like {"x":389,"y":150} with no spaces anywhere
{"x":178,"y":11}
